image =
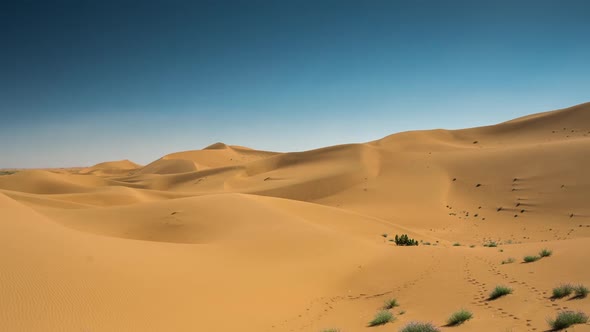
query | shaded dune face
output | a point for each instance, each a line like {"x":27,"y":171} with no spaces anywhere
{"x":232,"y":238}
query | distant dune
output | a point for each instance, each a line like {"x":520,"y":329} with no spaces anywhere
{"x":229,"y":238}
{"x":111,"y":168}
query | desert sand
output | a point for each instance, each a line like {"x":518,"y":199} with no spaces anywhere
{"x":234,"y":239}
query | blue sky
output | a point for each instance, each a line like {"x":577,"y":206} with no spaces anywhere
{"x":87,"y":81}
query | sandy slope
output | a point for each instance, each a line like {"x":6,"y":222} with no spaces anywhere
{"x":229,"y":238}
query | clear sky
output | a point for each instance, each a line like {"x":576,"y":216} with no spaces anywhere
{"x":88,"y":81}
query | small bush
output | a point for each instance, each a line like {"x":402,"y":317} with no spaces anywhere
{"x":530,"y":259}
{"x":331,"y":330}
{"x":508,"y":261}
{"x":404,"y":240}
{"x":459,"y":317}
{"x":456,"y":244}
{"x":391,"y":303}
{"x":472,"y":246}
{"x":562,"y":291}
{"x":545,"y":253}
{"x":581,"y":291}
{"x":382,"y":317}
{"x":500,"y":291}
{"x":491,"y":244}
{"x":566,"y":319}
{"x":419,"y":327}
{"x":402,"y":312}
{"x":384,"y":235}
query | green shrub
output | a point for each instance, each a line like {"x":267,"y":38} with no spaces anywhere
{"x":382,"y":317}
{"x":419,"y":327}
{"x":566,"y":319}
{"x":545,"y":253}
{"x":404,"y":240}
{"x":508,"y":261}
{"x":500,"y":291}
{"x":391,"y":303}
{"x":456,"y":244}
{"x":530,"y":259}
{"x":581,"y":291}
{"x":459,"y":317}
{"x":562,"y":291}
{"x":491,"y":244}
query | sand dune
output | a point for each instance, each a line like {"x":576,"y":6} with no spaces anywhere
{"x":213,"y":156}
{"x":111,"y":168}
{"x":230,"y":238}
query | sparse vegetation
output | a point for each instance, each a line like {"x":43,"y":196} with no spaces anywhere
{"x":491,"y":244}
{"x":459,"y":317}
{"x":426,"y":243}
{"x":566,"y":319}
{"x":7,"y":172}
{"x":382,"y":317}
{"x":456,"y":244}
{"x":530,"y":259}
{"x":581,"y":291}
{"x":545,"y":253}
{"x":404,"y":240}
{"x":472,"y":246}
{"x":384,"y":235}
{"x":419,"y":327}
{"x":331,"y":330}
{"x":391,"y":303}
{"x":402,"y":312}
{"x":508,"y":261}
{"x":500,"y":291}
{"x":562,"y":291}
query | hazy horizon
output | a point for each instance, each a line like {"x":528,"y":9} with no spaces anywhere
{"x":84,"y":83}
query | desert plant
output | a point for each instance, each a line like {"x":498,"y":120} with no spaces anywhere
{"x":384,"y":235}
{"x":500,"y":291}
{"x":530,"y":259}
{"x":331,"y":330}
{"x":566,"y":319}
{"x":581,"y":291}
{"x":419,"y":327}
{"x":402,"y":312}
{"x":404,"y":240}
{"x":391,"y":303}
{"x":508,"y":261}
{"x":459,"y":317}
{"x":562,"y":291}
{"x":545,"y":253}
{"x":456,"y":244}
{"x":472,"y":246}
{"x":382,"y":317}
{"x":491,"y":244}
